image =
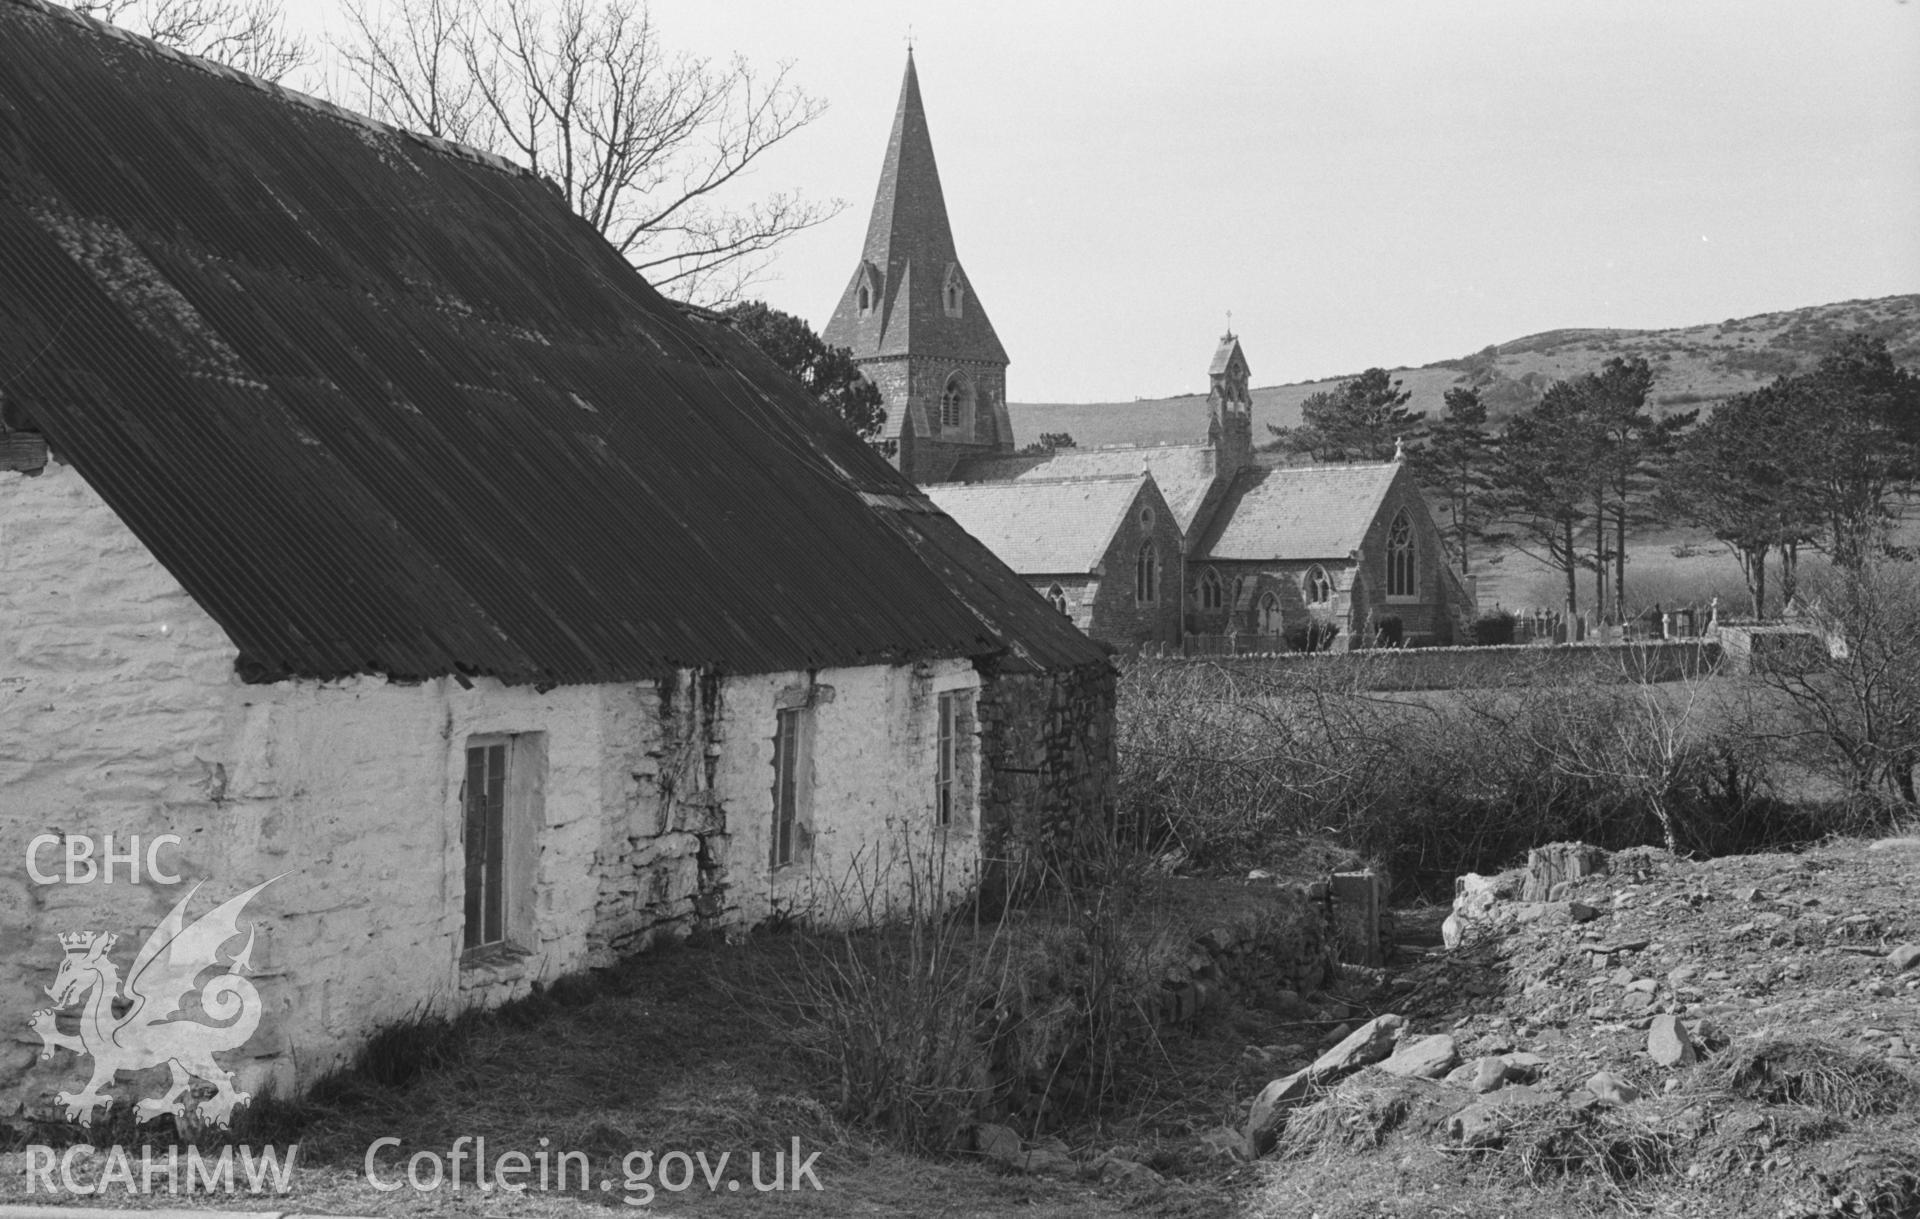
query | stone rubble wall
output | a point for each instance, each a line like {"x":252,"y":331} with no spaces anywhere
{"x":1040,"y":1068}
{"x":1771,"y":647}
{"x":1048,"y":759}
{"x":1289,"y":951}
{"x":1463,"y":668}
{"x":690,"y":798}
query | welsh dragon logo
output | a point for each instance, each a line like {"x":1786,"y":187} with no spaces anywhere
{"x":148,"y":1021}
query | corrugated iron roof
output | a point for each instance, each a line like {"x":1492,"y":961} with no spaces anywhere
{"x":1044,"y":526}
{"x":1297,"y":512}
{"x":1035,"y":641}
{"x":385,"y":405}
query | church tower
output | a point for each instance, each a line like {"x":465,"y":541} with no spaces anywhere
{"x":1229,"y":408}
{"x":911,"y":318}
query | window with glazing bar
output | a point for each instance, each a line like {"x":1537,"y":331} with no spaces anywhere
{"x":789,"y":742}
{"x":486,"y":844}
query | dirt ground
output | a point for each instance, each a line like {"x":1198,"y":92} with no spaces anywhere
{"x":685,"y":1050}
{"x":1802,"y":1099}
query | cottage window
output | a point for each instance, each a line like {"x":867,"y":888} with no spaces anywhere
{"x":1146,"y":576}
{"x":1057,"y":597}
{"x":500,"y":802}
{"x":953,"y":777}
{"x":1400,"y":557}
{"x":1211,"y":593}
{"x":792,"y":753}
{"x":1319,"y":588}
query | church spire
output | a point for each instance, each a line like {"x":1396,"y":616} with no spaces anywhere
{"x":909,"y":314}
{"x":909,"y":209}
{"x":918,"y":300}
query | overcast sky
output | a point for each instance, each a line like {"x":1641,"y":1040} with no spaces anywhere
{"x":1359,"y":181}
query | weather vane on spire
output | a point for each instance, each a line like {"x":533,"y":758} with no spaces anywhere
{"x":909,"y":37}
{"x":1229,"y":323}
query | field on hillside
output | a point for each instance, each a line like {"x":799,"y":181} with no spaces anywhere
{"x":1655,"y":576}
{"x":1183,"y":420}
{"x":1693,"y":366}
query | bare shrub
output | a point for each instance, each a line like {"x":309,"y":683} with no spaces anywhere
{"x":1245,"y":764}
{"x":1357,"y":1116}
{"x":1857,"y":710}
{"x":1616,"y":1147}
{"x":935,"y":1018}
{"x":1803,"y":1071}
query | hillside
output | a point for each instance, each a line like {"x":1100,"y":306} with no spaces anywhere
{"x":1693,"y":365}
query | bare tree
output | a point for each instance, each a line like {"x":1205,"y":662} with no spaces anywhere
{"x":1645,"y":741}
{"x":642,"y":142}
{"x":250,"y":35}
{"x":1859,"y":702}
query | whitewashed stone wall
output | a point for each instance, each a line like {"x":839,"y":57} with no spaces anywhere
{"x":120,"y":713}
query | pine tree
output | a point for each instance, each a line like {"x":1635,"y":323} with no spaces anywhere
{"x":1545,"y":483}
{"x":1859,"y":450}
{"x":1364,"y":419}
{"x":828,"y":373}
{"x":1455,"y":468}
{"x":1634,"y":447}
{"x":1734,"y":477}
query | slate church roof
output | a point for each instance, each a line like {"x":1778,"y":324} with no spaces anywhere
{"x":1044,"y":526}
{"x":1289,"y":513}
{"x":1226,"y":355}
{"x":908,"y":257}
{"x":1183,"y":472}
{"x":384,"y":404}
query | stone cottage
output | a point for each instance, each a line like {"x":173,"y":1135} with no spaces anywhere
{"x":370,"y":529}
{"x":1104,"y":551}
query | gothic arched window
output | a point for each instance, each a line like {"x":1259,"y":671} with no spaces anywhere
{"x":1057,"y":597}
{"x":956,"y":401}
{"x":1210,"y":591}
{"x":1400,"y":556}
{"x":1146,"y":576}
{"x":952,"y":294}
{"x":1319,"y":588}
{"x":1270,"y":621}
{"x":865,"y":298}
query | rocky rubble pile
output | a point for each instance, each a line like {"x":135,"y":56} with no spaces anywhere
{"x":1734,"y":1036}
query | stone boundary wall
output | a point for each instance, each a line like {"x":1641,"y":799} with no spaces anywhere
{"x":1501,"y":665}
{"x":1294,"y":951}
{"x":1291,"y":946}
{"x":1772,"y":647}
